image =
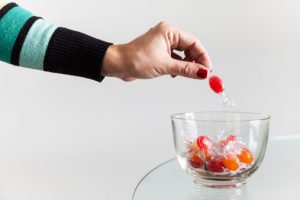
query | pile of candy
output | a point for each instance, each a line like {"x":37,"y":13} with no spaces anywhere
{"x":226,"y":155}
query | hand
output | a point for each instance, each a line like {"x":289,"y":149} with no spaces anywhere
{"x":152,"y":55}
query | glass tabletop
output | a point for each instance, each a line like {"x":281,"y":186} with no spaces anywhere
{"x":277,"y":178}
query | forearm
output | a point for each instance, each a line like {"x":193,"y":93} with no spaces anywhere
{"x":32,"y":42}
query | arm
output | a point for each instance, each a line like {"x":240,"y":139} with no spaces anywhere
{"x":30,"y":41}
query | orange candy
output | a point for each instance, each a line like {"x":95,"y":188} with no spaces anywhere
{"x":231,"y":163}
{"x":245,"y":156}
{"x":194,"y":149}
{"x":204,"y":153}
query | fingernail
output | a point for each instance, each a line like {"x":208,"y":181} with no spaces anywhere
{"x":202,"y":73}
{"x":173,"y":76}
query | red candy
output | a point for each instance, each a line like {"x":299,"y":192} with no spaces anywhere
{"x":216,"y":165}
{"x":216,"y":84}
{"x":195,"y":161}
{"x":231,"y":138}
{"x":204,"y":142}
{"x":225,"y":155}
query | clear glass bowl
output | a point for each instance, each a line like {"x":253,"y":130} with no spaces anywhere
{"x":220,"y":139}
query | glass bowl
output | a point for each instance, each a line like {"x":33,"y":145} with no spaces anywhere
{"x":220,"y":149}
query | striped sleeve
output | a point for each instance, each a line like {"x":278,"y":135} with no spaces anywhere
{"x":29,"y":41}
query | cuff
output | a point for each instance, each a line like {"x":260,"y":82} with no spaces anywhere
{"x":74,"y":53}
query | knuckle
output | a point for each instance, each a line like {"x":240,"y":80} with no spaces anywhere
{"x":163,"y":23}
{"x":186,"y":70}
{"x":196,"y":43}
{"x":163,"y":26}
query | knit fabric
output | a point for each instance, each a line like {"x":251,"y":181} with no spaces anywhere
{"x":71,"y":52}
{"x":10,"y":26}
{"x":36,"y":44}
{"x":5,"y":7}
{"x":15,"y":55}
{"x":31,"y":42}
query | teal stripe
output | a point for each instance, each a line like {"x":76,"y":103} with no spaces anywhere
{"x":36,"y":43}
{"x":10,"y":26}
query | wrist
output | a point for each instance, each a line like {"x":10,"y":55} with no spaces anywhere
{"x":112,"y":60}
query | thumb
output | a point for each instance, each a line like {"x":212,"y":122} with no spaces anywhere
{"x":187,"y":69}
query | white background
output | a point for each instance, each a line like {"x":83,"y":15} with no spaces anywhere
{"x":64,"y":137}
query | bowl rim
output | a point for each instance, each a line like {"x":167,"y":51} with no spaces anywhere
{"x":263,"y":117}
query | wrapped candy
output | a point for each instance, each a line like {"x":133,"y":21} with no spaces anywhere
{"x":226,"y":155}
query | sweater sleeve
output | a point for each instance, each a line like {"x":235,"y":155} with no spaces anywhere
{"x":29,"y":41}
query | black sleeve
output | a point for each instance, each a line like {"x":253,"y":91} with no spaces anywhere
{"x":74,"y":53}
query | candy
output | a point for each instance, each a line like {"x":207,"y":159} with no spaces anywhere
{"x":231,"y":163}
{"x":226,"y":155}
{"x":231,"y":138}
{"x":245,"y":156}
{"x":195,"y":161}
{"x":216,"y":165}
{"x":223,"y":143}
{"x":193,"y":148}
{"x":216,"y":84}
{"x":204,"y":144}
{"x":205,"y":154}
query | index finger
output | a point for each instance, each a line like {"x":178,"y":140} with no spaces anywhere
{"x":192,"y":47}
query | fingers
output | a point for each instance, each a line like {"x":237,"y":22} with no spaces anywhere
{"x":192,"y":46}
{"x":177,"y":57}
{"x":197,"y":53}
{"x":187,"y":69}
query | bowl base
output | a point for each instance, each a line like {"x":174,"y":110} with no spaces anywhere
{"x":219,"y":190}
{"x":227,"y":184}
